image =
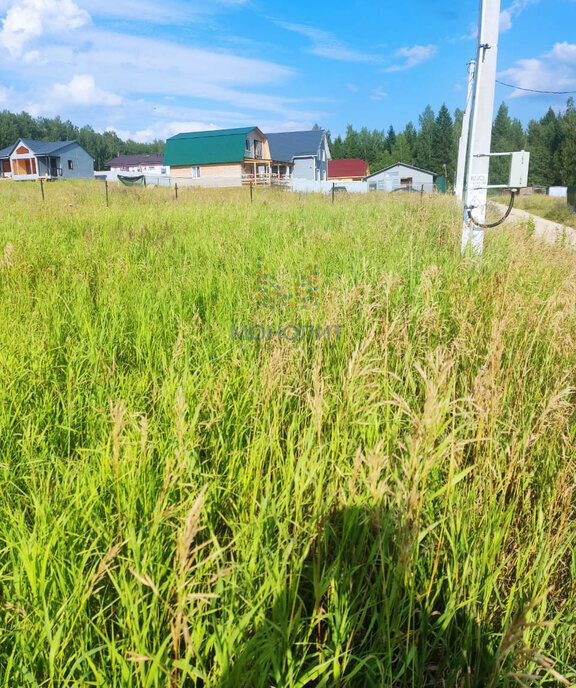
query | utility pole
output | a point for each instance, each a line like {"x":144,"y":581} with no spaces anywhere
{"x":463,"y":143}
{"x":480,"y":134}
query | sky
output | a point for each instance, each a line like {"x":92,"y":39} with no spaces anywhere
{"x":149,"y":69}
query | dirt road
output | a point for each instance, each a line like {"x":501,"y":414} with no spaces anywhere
{"x":549,"y":231}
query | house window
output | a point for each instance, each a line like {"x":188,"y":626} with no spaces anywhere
{"x":70,"y":164}
{"x":405,"y":181}
{"x":257,"y":149}
{"x":163,"y":170}
{"x":248,"y":148}
{"x":195,"y":171}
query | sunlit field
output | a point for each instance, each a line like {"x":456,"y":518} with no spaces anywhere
{"x":199,"y":490}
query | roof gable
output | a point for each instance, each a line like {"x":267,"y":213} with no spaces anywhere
{"x":45,"y":147}
{"x":404,"y":164}
{"x":39,"y":147}
{"x":207,"y":147}
{"x":286,"y":145}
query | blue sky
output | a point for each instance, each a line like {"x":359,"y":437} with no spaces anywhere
{"x":152,"y":69}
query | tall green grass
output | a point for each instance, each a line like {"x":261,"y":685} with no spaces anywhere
{"x":548,"y":207}
{"x":391,"y":507}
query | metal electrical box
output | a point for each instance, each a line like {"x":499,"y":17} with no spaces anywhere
{"x":519,"y":169}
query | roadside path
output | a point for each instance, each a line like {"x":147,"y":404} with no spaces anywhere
{"x":549,"y":231}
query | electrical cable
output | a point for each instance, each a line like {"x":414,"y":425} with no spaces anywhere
{"x":498,"y":222}
{"x":533,"y":90}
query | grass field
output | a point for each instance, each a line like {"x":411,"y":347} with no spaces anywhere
{"x":391,"y":504}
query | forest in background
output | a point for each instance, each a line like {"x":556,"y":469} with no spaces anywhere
{"x":432,"y":145}
{"x":101,"y":146}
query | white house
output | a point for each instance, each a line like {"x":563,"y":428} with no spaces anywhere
{"x":141,"y":163}
{"x":402,"y":176}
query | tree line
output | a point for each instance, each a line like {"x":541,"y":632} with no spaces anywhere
{"x":433,"y":146}
{"x":101,"y":146}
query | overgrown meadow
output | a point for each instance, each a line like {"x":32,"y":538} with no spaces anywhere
{"x":390,"y":504}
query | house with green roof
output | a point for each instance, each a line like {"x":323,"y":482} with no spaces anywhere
{"x":224,"y":157}
{"x":30,"y":159}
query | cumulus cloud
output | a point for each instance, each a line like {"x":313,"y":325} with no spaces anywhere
{"x":414,"y":56}
{"x":27,"y":20}
{"x":563,"y":52}
{"x":553,"y":71}
{"x":82,"y":90}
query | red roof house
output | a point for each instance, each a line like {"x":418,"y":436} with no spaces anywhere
{"x":350,"y":170}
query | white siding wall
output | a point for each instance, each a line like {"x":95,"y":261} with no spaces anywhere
{"x":305,"y":168}
{"x":390,"y":179}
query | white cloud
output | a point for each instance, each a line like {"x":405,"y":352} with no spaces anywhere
{"x":178,"y":71}
{"x":553,"y":71}
{"x":414,"y":56}
{"x":515,"y":10}
{"x":82,"y":90}
{"x":564,"y":52}
{"x":134,"y":87}
{"x":29,"y":19}
{"x":165,"y":12}
{"x":324,"y":44}
{"x":162,"y":130}
{"x":378,"y":94}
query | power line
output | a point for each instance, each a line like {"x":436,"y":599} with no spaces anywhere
{"x":533,"y":90}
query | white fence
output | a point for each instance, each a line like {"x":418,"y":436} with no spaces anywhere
{"x":311,"y":186}
{"x":170,"y":180}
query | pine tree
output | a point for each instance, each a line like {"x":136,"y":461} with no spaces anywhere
{"x":425,"y":140}
{"x":443,"y":158}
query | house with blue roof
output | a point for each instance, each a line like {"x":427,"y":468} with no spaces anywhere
{"x":30,"y":159}
{"x":224,"y":157}
{"x":308,"y":151}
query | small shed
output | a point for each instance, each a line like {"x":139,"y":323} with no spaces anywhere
{"x":402,"y":176}
{"x":349,"y":170}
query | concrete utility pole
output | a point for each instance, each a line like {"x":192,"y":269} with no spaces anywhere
{"x":480,"y":135}
{"x":463,"y":143}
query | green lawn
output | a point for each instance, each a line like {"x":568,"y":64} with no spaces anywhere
{"x":389,"y":504}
